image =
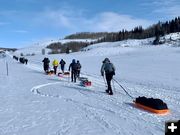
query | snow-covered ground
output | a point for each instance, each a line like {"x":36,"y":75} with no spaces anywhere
{"x":32,"y":103}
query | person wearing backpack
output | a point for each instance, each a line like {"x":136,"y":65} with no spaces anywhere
{"x":78,"y":68}
{"x":109,"y":70}
{"x":62,"y":63}
{"x":73,"y":67}
{"x":46,"y":62}
{"x":55,"y":65}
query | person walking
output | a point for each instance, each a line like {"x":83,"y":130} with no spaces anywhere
{"x":46,"y":62}
{"x":109,"y":70}
{"x":62,"y":64}
{"x":55,"y":65}
{"x":78,"y":68}
{"x":73,"y":68}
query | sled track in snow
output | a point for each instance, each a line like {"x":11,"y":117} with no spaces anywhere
{"x":108,"y":101}
{"x":88,"y":109}
{"x":93,"y":110}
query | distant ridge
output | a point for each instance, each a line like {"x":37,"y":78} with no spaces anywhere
{"x":8,"y":49}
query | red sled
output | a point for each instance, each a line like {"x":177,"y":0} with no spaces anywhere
{"x":87,"y":83}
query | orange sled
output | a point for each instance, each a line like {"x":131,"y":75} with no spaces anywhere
{"x":66,"y":73}
{"x":149,"y":109}
{"x":153,"y":105}
{"x":50,"y":72}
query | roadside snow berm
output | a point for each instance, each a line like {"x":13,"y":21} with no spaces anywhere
{"x":152,"y":105}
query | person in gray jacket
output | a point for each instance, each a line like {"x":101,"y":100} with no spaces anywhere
{"x":109,"y":70}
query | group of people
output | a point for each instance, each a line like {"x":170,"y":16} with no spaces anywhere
{"x":74,"y":67}
{"x":55,"y":64}
{"x":107,"y":70}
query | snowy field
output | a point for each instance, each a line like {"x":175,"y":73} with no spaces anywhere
{"x":32,"y":103}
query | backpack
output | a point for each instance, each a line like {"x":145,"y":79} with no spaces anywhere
{"x":75,"y":66}
{"x":108,"y":68}
{"x":78,"y":66}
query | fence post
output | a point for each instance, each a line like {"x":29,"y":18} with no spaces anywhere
{"x":7,"y":68}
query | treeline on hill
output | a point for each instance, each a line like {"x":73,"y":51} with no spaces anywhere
{"x":68,"y":47}
{"x":156,"y":30}
{"x":87,"y":35}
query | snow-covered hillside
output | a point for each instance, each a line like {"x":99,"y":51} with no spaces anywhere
{"x":172,"y":39}
{"x":36,"y":48}
{"x":32,"y":103}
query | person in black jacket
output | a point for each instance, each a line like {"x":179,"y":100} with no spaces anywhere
{"x":73,"y":68}
{"x":46,"y":62}
{"x":62,"y":63}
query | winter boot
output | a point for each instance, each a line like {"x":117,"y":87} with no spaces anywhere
{"x":110,"y":92}
{"x":107,"y":91}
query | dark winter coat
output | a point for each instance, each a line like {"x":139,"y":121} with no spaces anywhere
{"x":46,"y":61}
{"x":78,"y":66}
{"x":62,"y":62}
{"x":73,"y":66}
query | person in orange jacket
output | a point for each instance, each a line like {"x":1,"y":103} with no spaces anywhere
{"x":55,"y":65}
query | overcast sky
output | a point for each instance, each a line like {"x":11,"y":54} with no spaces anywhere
{"x":23,"y":22}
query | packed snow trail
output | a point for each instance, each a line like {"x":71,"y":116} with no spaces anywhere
{"x":58,"y":96}
{"x":32,"y":103}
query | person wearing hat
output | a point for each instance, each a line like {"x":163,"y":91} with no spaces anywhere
{"x":109,"y":70}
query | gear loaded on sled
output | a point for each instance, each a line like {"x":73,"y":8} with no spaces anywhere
{"x":84,"y":81}
{"x":64,"y":74}
{"x":152,"y":105}
{"x":51,"y":72}
{"x":156,"y":106}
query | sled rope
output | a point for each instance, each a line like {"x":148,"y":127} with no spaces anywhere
{"x":123,"y":89}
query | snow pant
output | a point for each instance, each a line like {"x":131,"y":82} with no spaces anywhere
{"x":73,"y":75}
{"x":26,"y":61}
{"x":78,"y":73}
{"x":46,"y":68}
{"x":62,"y":68}
{"x":55,"y":69}
{"x":109,"y":77}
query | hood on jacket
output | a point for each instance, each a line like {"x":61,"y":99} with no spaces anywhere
{"x":73,"y":61}
{"x":106,"y":60}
